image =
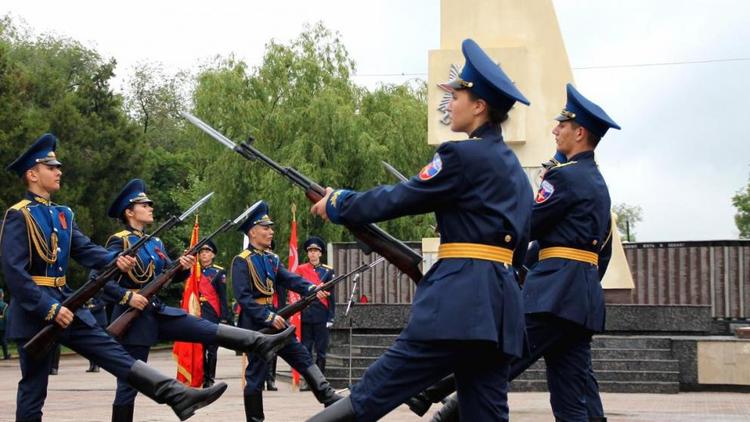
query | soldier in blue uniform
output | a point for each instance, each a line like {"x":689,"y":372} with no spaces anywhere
{"x":256,"y":272}
{"x":213,"y":298}
{"x":36,"y":241}
{"x":160,"y":322}
{"x":317,"y":318}
{"x":564,"y":301}
{"x":467,"y":315}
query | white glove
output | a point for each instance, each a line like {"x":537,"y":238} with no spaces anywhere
{"x":329,"y":324}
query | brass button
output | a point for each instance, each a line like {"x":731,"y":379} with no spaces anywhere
{"x":508,"y":238}
{"x":594,"y":242}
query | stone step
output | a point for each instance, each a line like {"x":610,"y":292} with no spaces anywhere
{"x":633,"y":354}
{"x":343,"y":350}
{"x":630,"y":342}
{"x":374,"y":339}
{"x":657,"y":387}
{"x":606,"y":375}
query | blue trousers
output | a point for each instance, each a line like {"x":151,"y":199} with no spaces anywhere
{"x":295,"y":354}
{"x":93,"y":343}
{"x":181,"y":328}
{"x":408,"y":367}
{"x":566,"y":348}
{"x":316,"y":336}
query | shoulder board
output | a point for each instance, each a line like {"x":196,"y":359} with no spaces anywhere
{"x":326,"y":266}
{"x":569,"y":163}
{"x":244,"y":254}
{"x":20,"y":204}
{"x":122,"y":234}
{"x":217,"y":267}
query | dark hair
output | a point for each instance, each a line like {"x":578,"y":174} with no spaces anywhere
{"x":124,"y":219}
{"x":592,"y":139}
{"x":496,"y":116}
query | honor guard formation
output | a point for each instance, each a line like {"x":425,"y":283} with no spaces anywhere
{"x":517,"y":278}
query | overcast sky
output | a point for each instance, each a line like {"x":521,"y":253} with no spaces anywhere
{"x":682,"y":152}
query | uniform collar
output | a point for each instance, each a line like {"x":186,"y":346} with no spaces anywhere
{"x":36,"y":198}
{"x":487,"y":130}
{"x":136,"y":232}
{"x":585,"y":155}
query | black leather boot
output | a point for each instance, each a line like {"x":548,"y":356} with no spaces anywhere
{"x":183,"y":400}
{"x":449,"y":411}
{"x":597,"y":419}
{"x":319,"y":385}
{"x":264,"y":345}
{"x":209,"y":370}
{"x":341,"y":411}
{"x":271,"y":375}
{"x":254,"y":408}
{"x":93,"y":367}
{"x":421,"y":403}
{"x":122,"y":412}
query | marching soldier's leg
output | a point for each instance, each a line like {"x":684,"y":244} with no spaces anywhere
{"x":271,"y":374}
{"x":32,"y":389}
{"x":94,"y":344}
{"x":255,"y":374}
{"x":297,"y":356}
{"x":196,"y":330}
{"x":593,"y":399}
{"x":122,"y":408}
{"x":567,"y":376}
{"x":482,"y":384}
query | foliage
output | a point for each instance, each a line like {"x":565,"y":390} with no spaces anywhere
{"x":628,"y":216}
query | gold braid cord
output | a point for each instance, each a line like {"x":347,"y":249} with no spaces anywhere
{"x":139,"y":276}
{"x":267,"y":288}
{"x":48,"y":253}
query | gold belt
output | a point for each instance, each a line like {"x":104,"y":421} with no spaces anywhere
{"x":476,"y":251}
{"x":264,"y":300}
{"x":45,"y":281}
{"x":569,"y":253}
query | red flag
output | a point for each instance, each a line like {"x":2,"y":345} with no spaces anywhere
{"x":189,"y":356}
{"x":294,"y":296}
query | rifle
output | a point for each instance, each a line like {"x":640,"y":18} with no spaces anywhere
{"x":289,"y":310}
{"x":41,"y":343}
{"x":372,"y":236}
{"x":119,"y":326}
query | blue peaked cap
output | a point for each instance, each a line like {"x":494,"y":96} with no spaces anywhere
{"x":482,"y":76}
{"x":134,"y":192}
{"x":315,"y":242}
{"x":586,"y":113}
{"x":258,"y":216}
{"x":41,"y":151}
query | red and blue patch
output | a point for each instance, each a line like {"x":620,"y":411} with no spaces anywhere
{"x":545,"y":191}
{"x":432,"y":169}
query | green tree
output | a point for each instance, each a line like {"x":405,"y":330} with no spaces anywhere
{"x":628,"y":216}
{"x":741,"y":201}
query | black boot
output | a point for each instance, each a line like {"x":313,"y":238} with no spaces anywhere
{"x":320,"y":386}
{"x":597,"y":419}
{"x":341,"y":411}
{"x":209,"y":371}
{"x":122,"y":413}
{"x":271,"y":375}
{"x":421,"y":403}
{"x":254,"y":408}
{"x":249,"y":341}
{"x":93,"y":367}
{"x":183,"y":400}
{"x":449,"y":411}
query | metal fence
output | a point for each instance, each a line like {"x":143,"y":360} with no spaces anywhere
{"x":693,"y":273}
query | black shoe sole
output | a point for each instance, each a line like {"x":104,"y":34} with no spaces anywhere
{"x":190,"y":411}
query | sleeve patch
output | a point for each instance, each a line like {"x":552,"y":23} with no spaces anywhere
{"x":432,"y":169}
{"x":545,"y":192}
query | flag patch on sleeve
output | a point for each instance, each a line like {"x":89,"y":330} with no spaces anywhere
{"x":545,"y":191}
{"x":432,"y":169}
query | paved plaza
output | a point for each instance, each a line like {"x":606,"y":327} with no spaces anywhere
{"x":77,"y":396}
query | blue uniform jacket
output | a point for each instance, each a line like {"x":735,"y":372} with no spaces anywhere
{"x":572,"y":210}
{"x":254,"y":277}
{"x":317,"y":313}
{"x":37,"y":239}
{"x":480,"y":194}
{"x":151,"y":260}
{"x":218,"y":277}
